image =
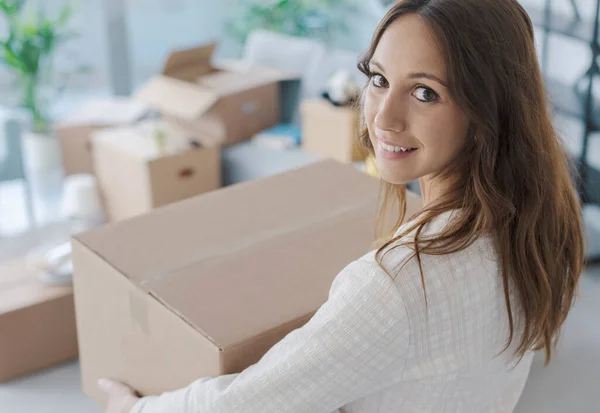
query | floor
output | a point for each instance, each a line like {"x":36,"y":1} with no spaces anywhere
{"x":571,"y":382}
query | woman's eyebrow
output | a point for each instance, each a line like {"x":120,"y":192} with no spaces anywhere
{"x":416,"y":75}
{"x":377,"y":65}
{"x":427,"y":76}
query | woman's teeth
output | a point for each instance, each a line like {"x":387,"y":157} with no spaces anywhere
{"x":391,"y":148}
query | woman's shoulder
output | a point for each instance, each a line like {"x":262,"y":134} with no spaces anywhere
{"x":465,"y":269}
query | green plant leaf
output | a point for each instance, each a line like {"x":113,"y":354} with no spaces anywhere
{"x":11,"y":8}
{"x":65,"y":15}
{"x":309,"y":18}
{"x":28,"y":49}
{"x":12,"y":60}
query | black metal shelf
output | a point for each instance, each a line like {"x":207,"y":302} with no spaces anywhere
{"x":593,"y":185}
{"x":569,"y":26}
{"x":571,"y":101}
{"x":566,"y":100}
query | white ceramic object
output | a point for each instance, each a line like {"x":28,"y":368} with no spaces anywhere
{"x":55,"y":266}
{"x":42,"y":152}
{"x":52,"y":266}
{"x":342,"y":87}
{"x":81,"y":205}
{"x":81,"y":202}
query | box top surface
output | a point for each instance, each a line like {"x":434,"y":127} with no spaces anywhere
{"x":20,"y":288}
{"x":238,"y":262}
{"x":106,"y":112}
{"x":140,"y":141}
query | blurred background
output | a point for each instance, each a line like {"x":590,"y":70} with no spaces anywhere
{"x":83,"y":56}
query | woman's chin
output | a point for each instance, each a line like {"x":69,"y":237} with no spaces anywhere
{"x":391,"y":173}
{"x":395,"y":179}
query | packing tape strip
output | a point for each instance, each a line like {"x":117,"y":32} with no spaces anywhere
{"x":261,"y":237}
{"x":138,"y":310}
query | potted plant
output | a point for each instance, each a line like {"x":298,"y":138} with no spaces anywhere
{"x":27,"y":51}
{"x":320,"y":19}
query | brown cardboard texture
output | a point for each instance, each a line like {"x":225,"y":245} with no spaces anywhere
{"x":37,"y":322}
{"x":216,"y":105}
{"x":74,"y":133}
{"x":206,"y":286}
{"x":136,"y":173}
{"x":330,"y":131}
{"x":189,"y":64}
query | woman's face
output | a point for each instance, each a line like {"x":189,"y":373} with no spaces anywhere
{"x":415,"y":127}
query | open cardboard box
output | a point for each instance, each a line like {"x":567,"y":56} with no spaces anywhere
{"x":219,"y":104}
{"x":137,"y":172}
{"x":206,"y":286}
{"x":75,"y":131}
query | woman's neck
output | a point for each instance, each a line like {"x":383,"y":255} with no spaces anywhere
{"x":433,"y":189}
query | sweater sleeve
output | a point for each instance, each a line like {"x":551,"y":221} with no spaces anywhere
{"x":355,"y":345}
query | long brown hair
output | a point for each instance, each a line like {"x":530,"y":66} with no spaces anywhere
{"x":515,"y":178}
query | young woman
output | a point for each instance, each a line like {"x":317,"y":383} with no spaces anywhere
{"x":445,"y":316}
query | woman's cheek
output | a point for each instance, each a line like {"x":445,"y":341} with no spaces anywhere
{"x":370,"y":110}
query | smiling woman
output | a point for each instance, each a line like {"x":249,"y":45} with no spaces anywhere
{"x":443,"y":317}
{"x":472,"y":107}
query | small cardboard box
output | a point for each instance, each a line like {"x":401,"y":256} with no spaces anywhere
{"x":205,"y":287}
{"x":331,"y":131}
{"x":74,"y":133}
{"x":37,"y":322}
{"x":219,"y":104}
{"x":137,"y":172}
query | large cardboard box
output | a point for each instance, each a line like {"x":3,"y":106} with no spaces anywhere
{"x":219,"y":104}
{"x":37,"y":322}
{"x":205,"y":287}
{"x":74,"y":133}
{"x":331,"y":131}
{"x":136,"y":172}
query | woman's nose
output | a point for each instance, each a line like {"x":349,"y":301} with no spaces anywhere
{"x":391,"y":114}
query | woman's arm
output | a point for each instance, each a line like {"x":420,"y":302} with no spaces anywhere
{"x":355,"y":345}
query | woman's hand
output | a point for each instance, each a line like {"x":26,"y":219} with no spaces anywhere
{"x":121,"y":397}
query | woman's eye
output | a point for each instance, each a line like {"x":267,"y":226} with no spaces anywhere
{"x":379,"y":81}
{"x":425,"y":94}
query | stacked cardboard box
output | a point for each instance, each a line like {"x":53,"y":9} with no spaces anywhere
{"x":37,"y":322}
{"x":331,"y":131}
{"x":149,"y":165}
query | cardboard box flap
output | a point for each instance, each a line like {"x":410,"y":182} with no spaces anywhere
{"x":177,"y":98}
{"x":189,"y":64}
{"x":183,"y":233}
{"x":109,"y":111}
{"x":243,"y":66}
{"x":246,"y":235}
{"x":226,"y":82}
{"x":20,"y":288}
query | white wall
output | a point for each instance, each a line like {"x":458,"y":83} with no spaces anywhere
{"x":155,"y":27}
